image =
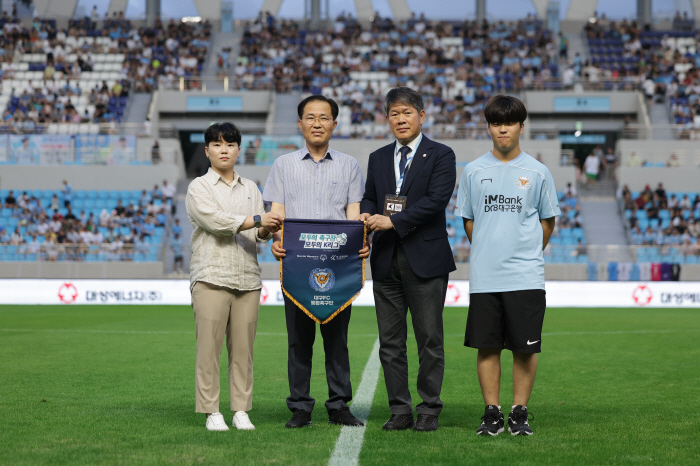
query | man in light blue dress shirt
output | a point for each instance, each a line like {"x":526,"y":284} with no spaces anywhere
{"x":320,"y":183}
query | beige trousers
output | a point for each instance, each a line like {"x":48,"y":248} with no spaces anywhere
{"x":220,"y":311}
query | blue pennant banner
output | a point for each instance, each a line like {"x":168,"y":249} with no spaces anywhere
{"x":323,"y":272}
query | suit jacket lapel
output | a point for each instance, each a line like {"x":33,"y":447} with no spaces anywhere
{"x":418,"y":160}
{"x":388,"y":167}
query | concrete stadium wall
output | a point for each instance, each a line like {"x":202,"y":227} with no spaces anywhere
{"x":687,"y":151}
{"x":25,"y":177}
{"x":674,"y":179}
{"x":465,"y":150}
{"x":101,"y":176}
{"x":683,"y":178}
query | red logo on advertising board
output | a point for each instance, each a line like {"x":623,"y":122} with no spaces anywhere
{"x":452,"y":296}
{"x":264,"y":294}
{"x":642,"y":295}
{"x":67,"y":293}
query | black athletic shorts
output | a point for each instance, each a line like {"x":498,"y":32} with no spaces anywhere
{"x":509,"y":319}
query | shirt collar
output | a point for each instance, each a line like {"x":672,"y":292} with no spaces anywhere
{"x":413,"y":144}
{"x":213,"y":177}
{"x":305,"y":153}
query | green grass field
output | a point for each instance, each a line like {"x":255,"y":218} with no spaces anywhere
{"x":115,"y":385}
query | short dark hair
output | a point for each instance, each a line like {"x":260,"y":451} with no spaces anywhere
{"x":505,"y":109}
{"x":226,"y":131}
{"x":404,"y":95}
{"x":319,"y":98}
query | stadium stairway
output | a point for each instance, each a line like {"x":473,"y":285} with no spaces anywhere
{"x":138,"y":110}
{"x":572,"y":31}
{"x":602,"y":223}
{"x":660,"y":119}
{"x":220,"y":40}
{"x":24,"y":9}
{"x":284,"y":119}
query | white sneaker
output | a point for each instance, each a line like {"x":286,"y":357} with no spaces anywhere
{"x":241,"y":421}
{"x":216,"y":422}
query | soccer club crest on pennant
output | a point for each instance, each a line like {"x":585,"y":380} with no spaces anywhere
{"x":321,"y":279}
{"x":523,"y":182}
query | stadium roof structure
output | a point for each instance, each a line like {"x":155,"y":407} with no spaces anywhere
{"x":578,"y":10}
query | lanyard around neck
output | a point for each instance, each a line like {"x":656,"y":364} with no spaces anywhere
{"x":399,"y":182}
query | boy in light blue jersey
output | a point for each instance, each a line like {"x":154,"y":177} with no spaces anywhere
{"x":508,"y":202}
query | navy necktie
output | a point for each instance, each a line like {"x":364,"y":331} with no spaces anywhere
{"x":402,"y":163}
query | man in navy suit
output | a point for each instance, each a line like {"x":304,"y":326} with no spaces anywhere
{"x":409,"y":184}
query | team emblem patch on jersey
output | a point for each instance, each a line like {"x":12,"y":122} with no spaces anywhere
{"x":523,"y":182}
{"x":321,"y":279}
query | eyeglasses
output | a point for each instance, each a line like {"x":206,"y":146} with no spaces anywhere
{"x":323,"y":119}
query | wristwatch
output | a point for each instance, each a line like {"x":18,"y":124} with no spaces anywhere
{"x":256,"y":219}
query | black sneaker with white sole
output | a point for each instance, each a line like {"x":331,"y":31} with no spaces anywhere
{"x":518,"y":421}
{"x":492,"y":422}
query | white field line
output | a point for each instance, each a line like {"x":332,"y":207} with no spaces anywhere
{"x":144,"y":332}
{"x":349,"y":443}
{"x":267,"y":334}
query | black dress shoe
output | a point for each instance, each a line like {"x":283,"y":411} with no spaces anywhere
{"x":300,"y":418}
{"x":399,"y":422}
{"x":426,"y":422}
{"x":344,"y":417}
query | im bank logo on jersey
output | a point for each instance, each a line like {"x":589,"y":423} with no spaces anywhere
{"x":501,"y":203}
{"x":523,"y":182}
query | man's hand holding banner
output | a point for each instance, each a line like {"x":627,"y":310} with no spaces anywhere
{"x":322,"y":272}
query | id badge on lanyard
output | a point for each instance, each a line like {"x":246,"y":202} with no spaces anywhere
{"x":394,"y":204}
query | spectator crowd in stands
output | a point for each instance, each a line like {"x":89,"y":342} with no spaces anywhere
{"x":147,"y":57}
{"x":51,"y":103}
{"x":456,"y":65}
{"x":69,"y":225}
{"x":662,"y":64}
{"x":659,"y":218}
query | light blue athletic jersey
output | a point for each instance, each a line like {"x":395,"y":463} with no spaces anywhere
{"x":506,"y":202}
